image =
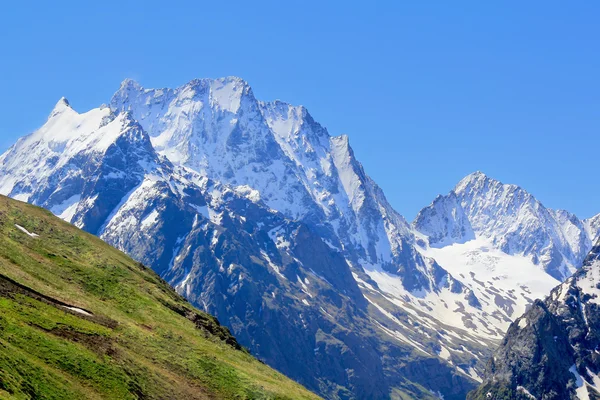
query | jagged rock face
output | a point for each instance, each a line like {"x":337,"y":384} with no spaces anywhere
{"x":216,"y":127}
{"x":219,"y":129}
{"x":75,"y":156}
{"x":551,"y":352}
{"x":444,"y":222}
{"x":592,"y":226}
{"x":275,"y":233}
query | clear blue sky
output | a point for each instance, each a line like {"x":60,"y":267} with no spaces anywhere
{"x":428,"y":91}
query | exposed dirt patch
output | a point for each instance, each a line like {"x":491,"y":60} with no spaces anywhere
{"x":100,"y":344}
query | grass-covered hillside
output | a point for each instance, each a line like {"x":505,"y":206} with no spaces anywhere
{"x":81,"y":320}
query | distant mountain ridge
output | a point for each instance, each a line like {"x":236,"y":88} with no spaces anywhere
{"x":513,"y":220}
{"x":503,"y":244}
{"x":260,"y":217}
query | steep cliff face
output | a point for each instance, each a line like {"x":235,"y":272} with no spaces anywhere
{"x":445,"y":222}
{"x":551,"y":352}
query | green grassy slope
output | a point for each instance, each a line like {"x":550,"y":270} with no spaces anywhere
{"x":131,"y":336}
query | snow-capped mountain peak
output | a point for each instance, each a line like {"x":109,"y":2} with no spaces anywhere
{"x":67,"y":129}
{"x":61,"y":106}
{"x":444,"y":222}
{"x":50,"y":167}
{"x":129,"y":83}
{"x":510,"y":218}
{"x":503,"y":243}
{"x":472,"y":179}
{"x":199,"y":120}
{"x":287,"y":121}
{"x":479,"y":184}
{"x":218,"y":128}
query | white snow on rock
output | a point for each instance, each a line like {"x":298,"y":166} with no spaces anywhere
{"x":66,"y":210}
{"x":582,"y":392}
{"x":444,"y":353}
{"x":590,"y":282}
{"x":526,"y":392}
{"x":48,"y":166}
{"x":150,"y":219}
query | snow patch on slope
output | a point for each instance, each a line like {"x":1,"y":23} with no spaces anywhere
{"x":33,"y":235}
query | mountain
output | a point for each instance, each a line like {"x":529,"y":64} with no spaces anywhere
{"x":79,"y":320}
{"x":257,"y":216}
{"x":551,"y":352}
{"x":301,"y":171}
{"x":512,"y":220}
{"x":503,"y":244}
{"x":220,"y":130}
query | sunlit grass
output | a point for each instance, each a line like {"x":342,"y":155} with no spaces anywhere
{"x":135,"y":345}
